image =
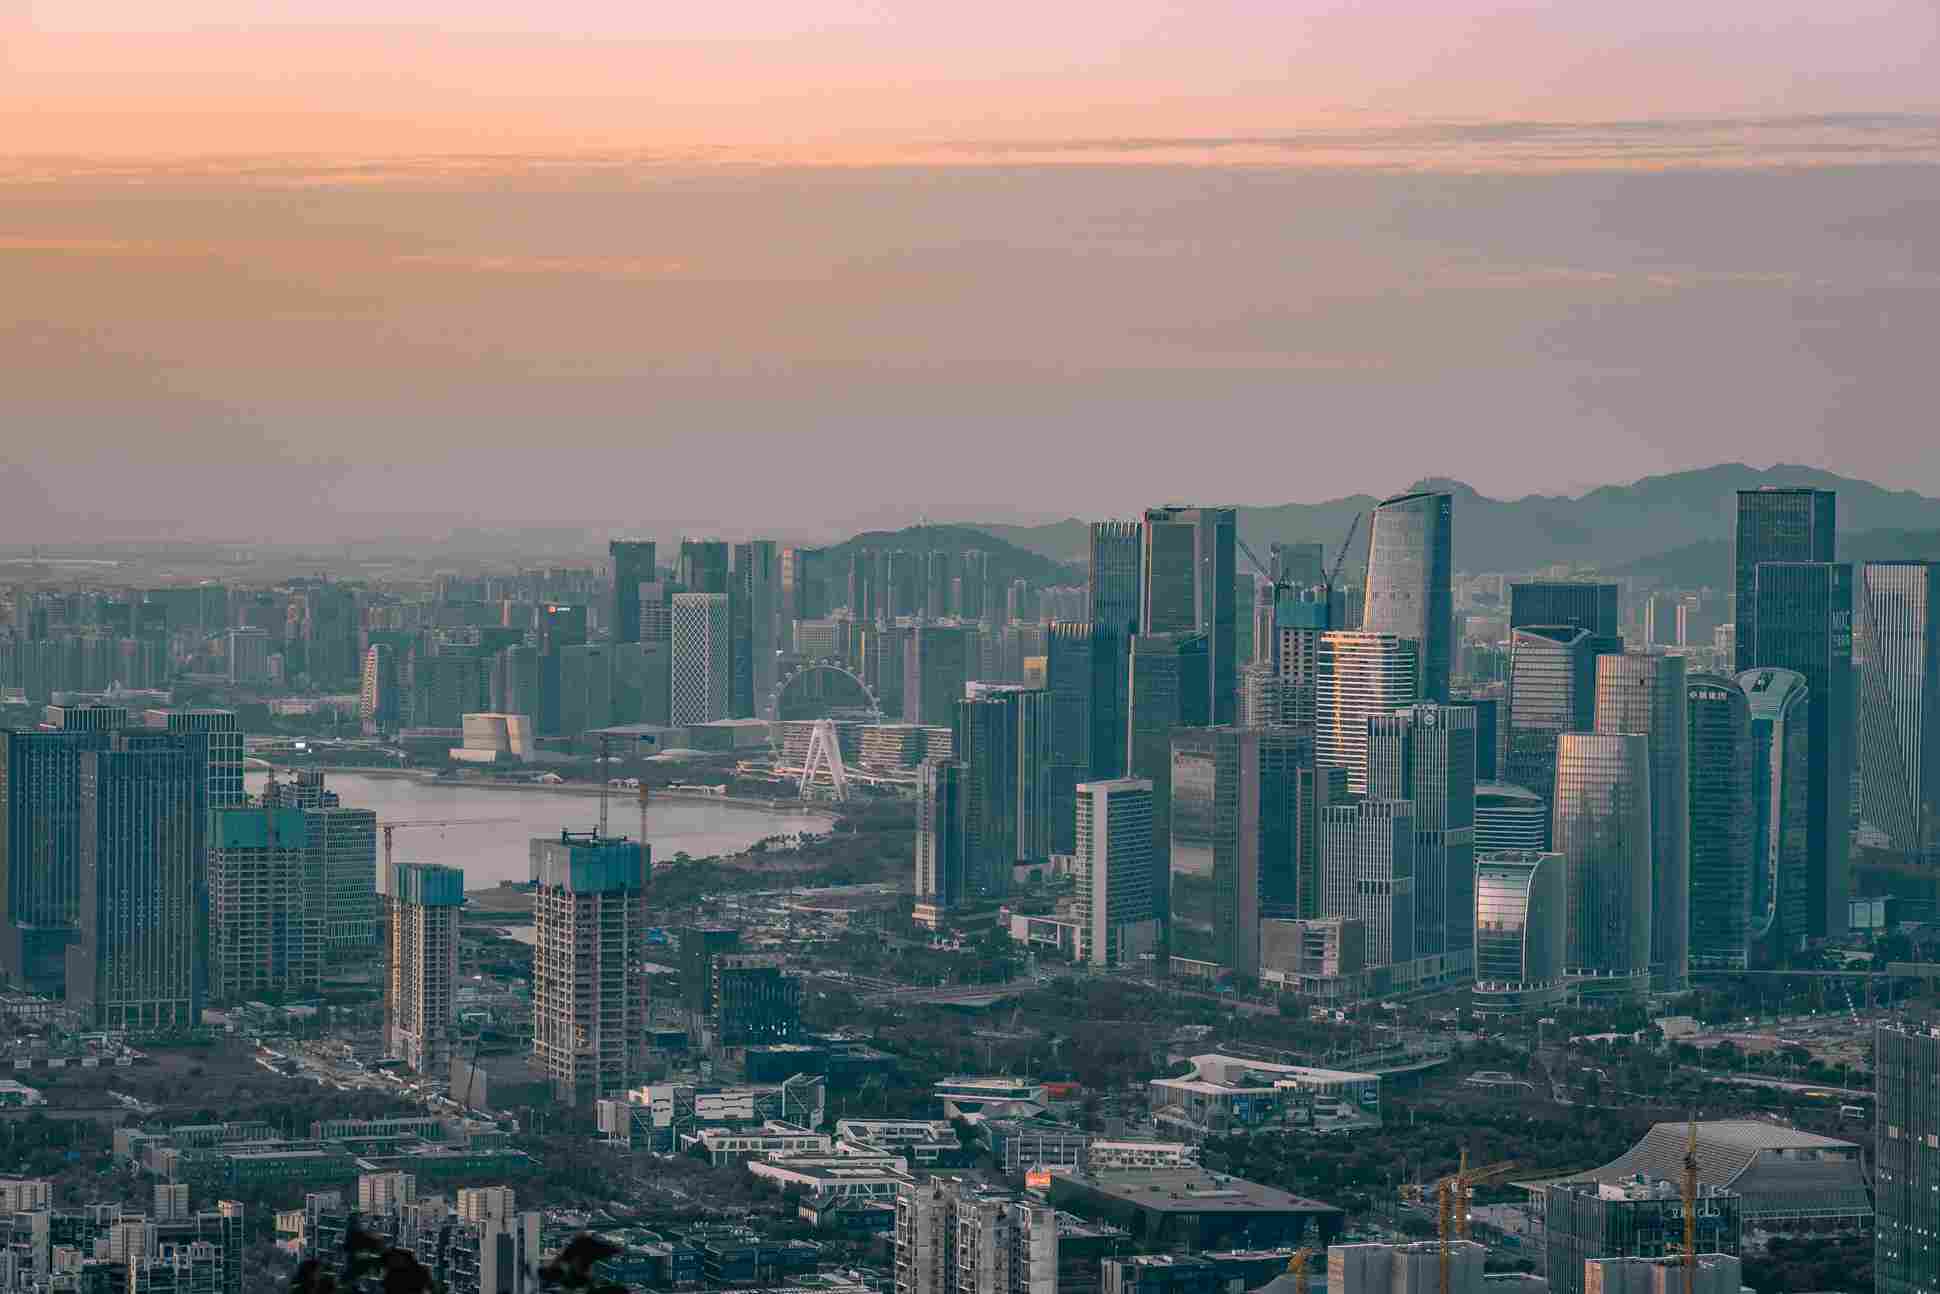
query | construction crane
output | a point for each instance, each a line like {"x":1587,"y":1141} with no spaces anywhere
{"x":390,"y":889}
{"x":1690,"y":1209}
{"x":1297,"y":1267}
{"x":1280,"y":582}
{"x":1333,"y":572}
{"x":1452,"y":1195}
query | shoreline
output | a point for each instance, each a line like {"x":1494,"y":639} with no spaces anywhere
{"x":583,"y":789}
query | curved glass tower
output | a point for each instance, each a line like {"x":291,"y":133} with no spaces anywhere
{"x":1601,"y":827}
{"x":1410,"y":592}
{"x":1638,"y":692}
{"x":1721,"y":822}
{"x":1521,"y":905}
{"x":1896,"y":657}
{"x":1509,"y":817}
{"x":1779,"y":707}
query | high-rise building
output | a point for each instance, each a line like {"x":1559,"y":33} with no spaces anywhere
{"x":703,"y":658}
{"x":1509,"y":817}
{"x":755,"y":1003}
{"x":1001,"y":735}
{"x":1574,"y":604}
{"x":1359,"y":675}
{"x":266,"y":906}
{"x":225,"y":737}
{"x":341,"y":846}
{"x":1776,"y":525}
{"x":756,"y":598}
{"x":703,"y":566}
{"x":1115,"y":874}
{"x":1601,"y":827}
{"x":1906,"y":1158}
{"x":423,"y":971}
{"x":249,"y":653}
{"x":1081,"y":664}
{"x":1367,"y":869}
{"x":588,"y":986}
{"x":141,"y":961}
{"x":1521,"y":922}
{"x":1780,"y":708}
{"x":585,"y":687}
{"x":699,"y":946}
{"x":804,"y":584}
{"x":40,"y":850}
{"x":1293,"y":652}
{"x":1189,"y":576}
{"x":1164,"y":693}
{"x":1116,"y":581}
{"x":954,"y":1238}
{"x":1426,"y":754}
{"x":940,"y":833}
{"x":1896,"y":654}
{"x":1552,"y":691}
{"x":1215,"y":860}
{"x":1640,"y":693}
{"x":1301,"y":565}
{"x":1410,"y":588}
{"x":937,"y":661}
{"x":1639,"y":1217}
{"x":380,"y":697}
{"x":1721,"y":822}
{"x":1803,"y":622}
{"x":633,"y":565}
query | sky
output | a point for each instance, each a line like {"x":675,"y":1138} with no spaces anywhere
{"x":317,"y":271}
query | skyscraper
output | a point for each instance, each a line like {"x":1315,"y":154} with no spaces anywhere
{"x":1776,"y":525}
{"x":633,"y":565}
{"x":1188,"y":587}
{"x":703,"y":658}
{"x":1165,"y":692}
{"x":1897,"y":657}
{"x":1601,"y":826}
{"x":1804,"y":623}
{"x":985,"y":736}
{"x":1359,"y":675}
{"x":141,"y":962}
{"x":1552,"y":691}
{"x":225,"y":748}
{"x":588,"y":987}
{"x":1426,"y":754}
{"x":1116,"y":582}
{"x":937,"y":661}
{"x":1646,"y":694}
{"x":380,"y":695}
{"x":1078,"y":669}
{"x":40,"y":850}
{"x":1779,"y":707}
{"x":1214,"y":864}
{"x":1521,"y":917}
{"x":1367,"y":870}
{"x":1300,"y":565}
{"x":1115,"y":873}
{"x":940,"y":838}
{"x":1906,"y":1158}
{"x":757,"y":593}
{"x":1410,"y":581}
{"x":1721,"y":817}
{"x":340,"y":845}
{"x":1509,"y":817}
{"x":423,"y":970}
{"x":330,"y":625}
{"x":1577,"y":604}
{"x":703,"y":565}
{"x":266,"y":905}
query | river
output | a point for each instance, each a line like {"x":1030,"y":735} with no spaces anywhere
{"x":500,"y":851}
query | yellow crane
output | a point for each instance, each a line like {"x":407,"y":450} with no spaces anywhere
{"x":1690,"y":1209}
{"x":1452,"y":1195}
{"x":1297,"y":1267}
{"x":390,"y":889}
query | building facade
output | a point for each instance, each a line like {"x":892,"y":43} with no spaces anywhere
{"x":1574,"y":604}
{"x":941,"y":830}
{"x":702,"y":664}
{"x":1521,"y":926}
{"x":1189,"y":572}
{"x":633,"y":565}
{"x":1360,"y":675}
{"x":588,"y":987}
{"x":1410,"y":593}
{"x":1896,"y":655}
{"x":1906,"y":1158}
{"x":1217,"y":852}
{"x":1367,"y":869}
{"x":1776,"y":525}
{"x":1778,"y":709}
{"x":266,"y":906}
{"x":1552,"y":691}
{"x":1425,"y":754}
{"x":1721,"y":822}
{"x":1601,"y":827}
{"x":1640,"y":693}
{"x":1117,"y":879}
{"x":1166,"y":691}
{"x":423,"y":970}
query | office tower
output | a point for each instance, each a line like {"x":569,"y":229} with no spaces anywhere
{"x":1488,"y":732}
{"x":703,"y":657}
{"x":1906,"y":1158}
{"x":974,"y":601}
{"x":1034,"y":764}
{"x":1410,"y":590}
{"x":1896,"y":654}
{"x":1601,"y":826}
{"x":225,"y":738}
{"x":423,"y":971}
{"x":330,"y":628}
{"x":1367,"y":868}
{"x":1078,"y":668}
{"x":560,"y":624}
{"x":588,"y":987}
{"x":1290,"y":658}
{"x":885,"y":665}
{"x":1316,"y":787}
{"x":249,"y":652}
{"x":1165,"y":691}
{"x":756,"y":597}
{"x":1639,"y":693}
{"x":513,"y":682}
{"x":940,"y":837}
{"x":1721,"y":822}
{"x":1358,"y":675}
{"x":1573,"y":604}
{"x":443,"y":689}
{"x":703,"y":566}
{"x":633,"y":565}
{"x":1188,"y":580}
{"x":865,"y":585}
{"x":1115,"y":584}
{"x":1804,"y":622}
{"x":936,"y":665}
{"x":40,"y":850}
{"x":585,"y":688}
{"x":1552,"y":691}
{"x":1425,"y":754}
{"x":699,"y":946}
{"x":1288,"y":830}
{"x":266,"y":905}
{"x":141,"y":960}
{"x":1776,"y":525}
{"x":804,"y":584}
{"x":1521,"y":921}
{"x":1215,"y":860}
{"x":1001,"y":735}
{"x":1779,"y":707}
{"x":1115,"y":873}
{"x":755,"y":1003}
{"x":379,"y":695}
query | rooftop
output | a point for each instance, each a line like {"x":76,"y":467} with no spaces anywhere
{"x":1190,"y":1190}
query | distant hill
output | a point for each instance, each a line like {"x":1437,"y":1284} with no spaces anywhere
{"x":1614,"y":527}
{"x":1007,"y":561}
{"x":1708,"y":564}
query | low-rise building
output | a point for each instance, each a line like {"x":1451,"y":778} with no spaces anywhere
{"x":722,"y":1146}
{"x":1405,"y":1269}
{"x":828,"y":1177}
{"x":1711,"y":1274}
{"x":1109,"y":1156}
{"x":1022,"y":1145}
{"x":1228,"y":1096}
{"x":1192,"y":1210}
{"x":989,"y":1096}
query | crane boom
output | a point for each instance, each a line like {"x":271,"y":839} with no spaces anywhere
{"x":1254,"y":558}
{"x":1333,"y":573}
{"x":1690,"y":1209}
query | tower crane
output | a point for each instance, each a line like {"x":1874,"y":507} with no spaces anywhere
{"x":1690,"y":1208}
{"x":1333,"y":572}
{"x":390,"y":828}
{"x":1452,"y":1195}
{"x":1297,"y":1267}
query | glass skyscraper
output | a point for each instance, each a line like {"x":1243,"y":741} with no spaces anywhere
{"x":1896,"y":655}
{"x":1804,"y":623}
{"x":1215,"y":860}
{"x":1115,"y":877}
{"x":1641,"y":693}
{"x":1190,"y":578}
{"x":633,"y":565}
{"x":1906,"y":1158}
{"x":1359,"y":675}
{"x":940,"y":835}
{"x":1168,"y":673}
{"x":1779,"y":709}
{"x":1552,"y":691}
{"x":1521,"y":911}
{"x":1776,"y":525}
{"x":1410,"y":590}
{"x":1426,"y":754}
{"x":1367,"y":873}
{"x":1578,"y":604}
{"x":1721,"y":822}
{"x":1601,"y":827}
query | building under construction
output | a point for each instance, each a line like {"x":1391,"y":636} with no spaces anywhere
{"x":423,"y":973}
{"x":1637,"y":1217}
{"x":589,"y":1007}
{"x":266,"y":905}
